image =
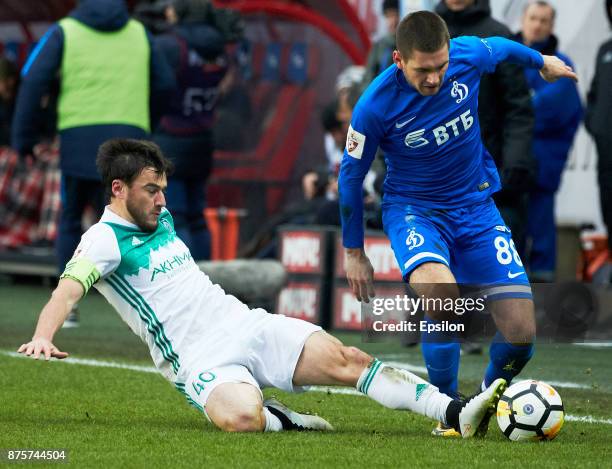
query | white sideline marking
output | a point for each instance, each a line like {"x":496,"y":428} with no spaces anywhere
{"x":587,"y":419}
{"x":90,"y":362}
{"x":325,"y":389}
{"x":594,"y":344}
{"x":151,"y":369}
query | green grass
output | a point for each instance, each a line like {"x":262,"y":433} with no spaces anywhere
{"x":121,"y":418}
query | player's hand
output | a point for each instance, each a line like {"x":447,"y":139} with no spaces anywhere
{"x":360,"y":274}
{"x":39,"y":346}
{"x":555,"y":68}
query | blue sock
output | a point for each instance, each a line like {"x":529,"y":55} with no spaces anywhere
{"x":506,"y":360}
{"x":441,"y":354}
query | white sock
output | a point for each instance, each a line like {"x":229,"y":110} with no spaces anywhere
{"x":402,"y":390}
{"x":273,"y":423}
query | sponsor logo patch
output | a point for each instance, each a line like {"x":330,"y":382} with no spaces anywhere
{"x":419,"y":390}
{"x":514,"y":274}
{"x":414,"y":240}
{"x":415,"y":139}
{"x":166,"y":224}
{"x":486,"y":44}
{"x":459,"y":91}
{"x":399,"y":125}
{"x":82,"y":248}
{"x":355,"y":141}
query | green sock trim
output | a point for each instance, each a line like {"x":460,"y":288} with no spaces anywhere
{"x":373,"y":370}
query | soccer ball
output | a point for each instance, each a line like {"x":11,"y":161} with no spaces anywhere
{"x":530,"y":410}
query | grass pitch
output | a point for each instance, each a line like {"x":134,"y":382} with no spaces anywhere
{"x":109,"y":417}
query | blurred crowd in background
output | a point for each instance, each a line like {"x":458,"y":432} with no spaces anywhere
{"x":173,"y":71}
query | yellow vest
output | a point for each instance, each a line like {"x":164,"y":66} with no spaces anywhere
{"x":104,"y":76}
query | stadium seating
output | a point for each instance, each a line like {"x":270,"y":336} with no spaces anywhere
{"x":282,"y":100}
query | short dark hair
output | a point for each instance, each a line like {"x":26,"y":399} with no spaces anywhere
{"x":540,"y":3}
{"x":328,"y":117}
{"x":125,"y":159}
{"x":390,"y":5}
{"x":193,"y":11}
{"x":423,"y":31}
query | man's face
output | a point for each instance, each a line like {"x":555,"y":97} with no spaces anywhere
{"x":458,"y":5}
{"x":309,"y":185}
{"x":538,"y":23}
{"x":170,"y":14}
{"x":145,"y":198}
{"x":424,"y":71}
{"x":7,"y":88}
{"x":392,"y":19}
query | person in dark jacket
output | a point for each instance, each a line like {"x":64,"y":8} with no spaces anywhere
{"x":9,"y":78}
{"x":106,"y":67}
{"x":195,"y":50}
{"x":381,"y":53}
{"x":598,"y":122}
{"x":558,"y":112}
{"x":505,"y":113}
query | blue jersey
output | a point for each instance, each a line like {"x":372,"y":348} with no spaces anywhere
{"x":432,"y":145}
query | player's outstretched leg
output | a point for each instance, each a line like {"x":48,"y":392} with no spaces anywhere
{"x":400,"y":389}
{"x":326,"y":361}
{"x":239,"y":407}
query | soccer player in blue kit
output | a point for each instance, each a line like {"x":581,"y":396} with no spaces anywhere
{"x":438,"y":212}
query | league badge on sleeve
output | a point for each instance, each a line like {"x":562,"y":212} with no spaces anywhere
{"x":355,"y":142}
{"x":82,"y":248}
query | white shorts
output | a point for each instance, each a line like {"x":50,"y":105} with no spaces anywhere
{"x":245,"y":346}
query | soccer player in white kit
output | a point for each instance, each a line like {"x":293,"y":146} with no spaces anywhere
{"x":211,"y":346}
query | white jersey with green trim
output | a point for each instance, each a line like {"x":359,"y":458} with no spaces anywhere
{"x":154,"y":284}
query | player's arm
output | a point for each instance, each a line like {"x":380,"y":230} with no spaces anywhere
{"x":96,"y":256}
{"x":361,"y":144}
{"x":493,"y":50}
{"x":52,"y":316}
{"x":37,"y":77}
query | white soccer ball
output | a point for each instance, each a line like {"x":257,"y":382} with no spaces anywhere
{"x":530,"y":410}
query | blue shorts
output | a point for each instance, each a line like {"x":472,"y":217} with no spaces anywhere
{"x":474,"y":242}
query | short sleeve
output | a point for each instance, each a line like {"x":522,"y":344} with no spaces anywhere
{"x":96,"y":256}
